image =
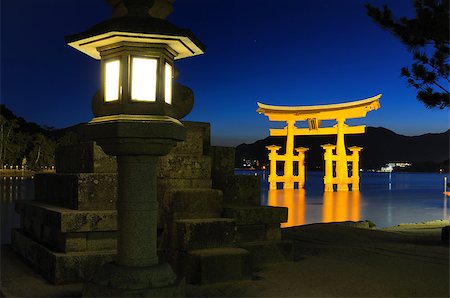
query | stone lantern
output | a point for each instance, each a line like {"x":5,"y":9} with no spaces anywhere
{"x":135,"y":121}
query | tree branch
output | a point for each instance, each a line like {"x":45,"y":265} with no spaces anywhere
{"x":443,"y":89}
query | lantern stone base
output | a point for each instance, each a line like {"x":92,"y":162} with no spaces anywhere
{"x":137,"y":143}
{"x":114,"y":280}
{"x":67,"y":234}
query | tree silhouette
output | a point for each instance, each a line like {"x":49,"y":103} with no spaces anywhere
{"x":427,"y":38}
{"x":7,"y":134}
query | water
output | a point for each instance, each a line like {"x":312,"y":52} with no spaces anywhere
{"x":385,"y":199}
{"x":11,"y":190}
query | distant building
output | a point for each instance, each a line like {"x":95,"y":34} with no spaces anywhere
{"x":388,"y":168}
{"x":250,"y":163}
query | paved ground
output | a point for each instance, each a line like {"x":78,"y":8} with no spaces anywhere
{"x":19,"y":280}
{"x":330,"y":261}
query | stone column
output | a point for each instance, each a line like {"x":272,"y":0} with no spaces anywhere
{"x":273,"y":157}
{"x":328,"y":157}
{"x":137,"y":211}
{"x":341,"y":157}
{"x":355,"y":166}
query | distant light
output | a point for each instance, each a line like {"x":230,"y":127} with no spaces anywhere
{"x":143,"y":76}
{"x":112,"y":76}
{"x":168,"y":83}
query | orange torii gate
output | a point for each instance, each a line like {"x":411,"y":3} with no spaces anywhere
{"x":314,"y":115}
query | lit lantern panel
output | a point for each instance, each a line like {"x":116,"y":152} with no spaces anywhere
{"x":112,"y":76}
{"x":143,"y":75}
{"x":168,"y":83}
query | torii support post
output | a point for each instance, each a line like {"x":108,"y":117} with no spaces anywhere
{"x":328,"y":157}
{"x":289,"y":156}
{"x":301,"y":166}
{"x":273,"y":157}
{"x":341,"y":157}
{"x":355,"y":166}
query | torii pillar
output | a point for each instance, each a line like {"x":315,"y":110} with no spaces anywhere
{"x":289,"y":156}
{"x":273,"y":157}
{"x":355,"y":166}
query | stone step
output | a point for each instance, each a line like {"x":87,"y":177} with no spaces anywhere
{"x":182,"y":183}
{"x":222,"y":161}
{"x":251,"y":215}
{"x":184,"y":166}
{"x":74,"y":242}
{"x":65,"y":220}
{"x":203,"y":233}
{"x":86,"y":157}
{"x":238,"y":189}
{"x":267,"y":252}
{"x":60,"y":268}
{"x":197,"y":139}
{"x":207,"y":266}
{"x":82,"y":191}
{"x":258,"y":232}
{"x":192,"y":203}
{"x":164,"y":185}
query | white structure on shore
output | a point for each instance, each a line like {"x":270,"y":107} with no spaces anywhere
{"x":390,"y":166}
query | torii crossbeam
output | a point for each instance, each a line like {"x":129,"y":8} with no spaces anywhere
{"x":314,"y":116}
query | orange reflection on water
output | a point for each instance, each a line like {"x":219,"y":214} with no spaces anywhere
{"x":294,"y":200}
{"x":341,"y":206}
{"x":337,"y":206}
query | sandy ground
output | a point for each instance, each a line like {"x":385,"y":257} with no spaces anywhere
{"x":331,"y":260}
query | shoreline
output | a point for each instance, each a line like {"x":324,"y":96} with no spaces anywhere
{"x":420,"y":225}
{"x":25,"y":174}
{"x":362,"y":171}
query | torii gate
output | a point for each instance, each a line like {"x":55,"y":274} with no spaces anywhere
{"x":314,"y":115}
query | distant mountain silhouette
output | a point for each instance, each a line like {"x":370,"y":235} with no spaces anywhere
{"x":380,"y":146}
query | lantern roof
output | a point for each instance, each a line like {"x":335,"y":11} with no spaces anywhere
{"x":144,"y":29}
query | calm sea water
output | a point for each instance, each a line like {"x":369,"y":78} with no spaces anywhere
{"x":11,"y":190}
{"x":385,"y":199}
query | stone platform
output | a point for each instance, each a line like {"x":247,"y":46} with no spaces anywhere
{"x":208,"y":218}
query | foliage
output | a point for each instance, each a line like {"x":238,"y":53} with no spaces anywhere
{"x":21,"y":140}
{"x":8,"y":135}
{"x":427,"y":38}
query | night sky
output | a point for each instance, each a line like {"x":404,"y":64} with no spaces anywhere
{"x":292,"y":52}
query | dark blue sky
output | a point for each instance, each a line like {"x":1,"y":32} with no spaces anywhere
{"x":292,"y":52}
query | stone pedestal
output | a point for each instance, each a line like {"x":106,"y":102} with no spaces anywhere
{"x":207,"y":234}
{"x":137,"y":145}
{"x":70,"y":228}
